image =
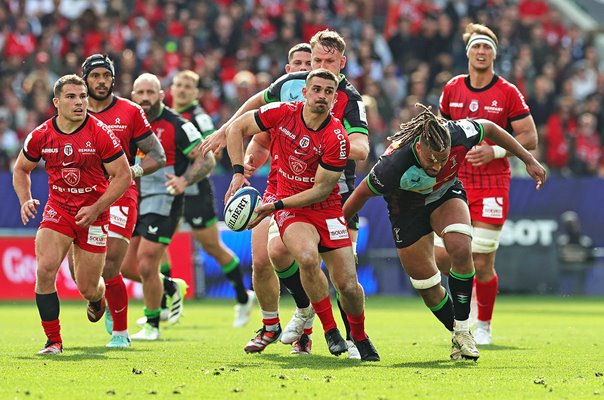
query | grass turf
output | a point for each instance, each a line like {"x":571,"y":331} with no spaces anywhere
{"x":545,"y":348}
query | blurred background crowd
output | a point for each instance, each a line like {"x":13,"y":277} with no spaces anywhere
{"x":399,"y":52}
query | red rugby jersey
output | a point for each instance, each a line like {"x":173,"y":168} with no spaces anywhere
{"x":500,"y":102}
{"x":74,"y":161}
{"x":300,"y":150}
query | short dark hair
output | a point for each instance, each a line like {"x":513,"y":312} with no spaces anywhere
{"x":72,"y":79}
{"x":322,"y":73}
{"x":304,"y":47}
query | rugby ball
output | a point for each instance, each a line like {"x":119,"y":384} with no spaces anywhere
{"x":240,"y":209}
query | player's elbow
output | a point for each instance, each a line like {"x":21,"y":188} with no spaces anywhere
{"x":531,"y":142}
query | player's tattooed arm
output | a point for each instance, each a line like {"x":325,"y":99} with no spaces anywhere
{"x":155,"y":156}
{"x":199,"y":167}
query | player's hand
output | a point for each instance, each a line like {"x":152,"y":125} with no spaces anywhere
{"x":86,"y":216}
{"x":28,"y":210}
{"x":249,"y":166}
{"x":175,"y":185}
{"x":237,"y":182}
{"x":216,"y":142}
{"x":480,"y":155}
{"x":537,"y":172}
{"x":263,"y":211}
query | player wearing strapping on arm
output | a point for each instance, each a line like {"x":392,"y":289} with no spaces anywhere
{"x":78,"y":151}
{"x":161,"y":203}
{"x":312,"y":147}
{"x":417,"y":175}
{"x":485,"y":171}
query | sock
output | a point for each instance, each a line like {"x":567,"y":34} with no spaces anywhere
{"x":170,"y":287}
{"x":323,"y":310}
{"x":152,"y":317}
{"x":165,"y":269}
{"x":344,"y":317}
{"x":291,"y":279}
{"x":444,"y":312}
{"x":49,"y":308}
{"x":357,"y":327}
{"x":270,"y":319}
{"x":461,"y":291}
{"x":117,"y":300}
{"x":232,"y":271}
{"x":486,"y":292}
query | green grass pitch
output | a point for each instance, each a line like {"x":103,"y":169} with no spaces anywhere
{"x":545,"y":348}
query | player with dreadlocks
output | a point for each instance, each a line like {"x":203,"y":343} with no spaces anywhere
{"x":417,"y":175}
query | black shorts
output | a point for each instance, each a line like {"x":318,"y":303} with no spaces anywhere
{"x":410,"y":224}
{"x":200,"y":210}
{"x":160,"y":228}
{"x":353,"y":222}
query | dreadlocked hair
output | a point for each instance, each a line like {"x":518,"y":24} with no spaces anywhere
{"x":431,"y":129}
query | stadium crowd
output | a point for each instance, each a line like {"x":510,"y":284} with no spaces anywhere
{"x":400,"y":52}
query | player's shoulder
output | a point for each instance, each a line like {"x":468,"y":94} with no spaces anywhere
{"x":126,"y":104}
{"x":505,"y":85}
{"x":345,"y":86}
{"x":457,"y":80}
{"x":282,"y":107}
{"x":171,"y":115}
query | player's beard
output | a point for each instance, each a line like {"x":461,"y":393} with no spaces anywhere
{"x":95,"y":96}
{"x":154,"y":110}
{"x":319,"y":108}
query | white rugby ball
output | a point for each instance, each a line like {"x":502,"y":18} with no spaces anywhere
{"x":240,"y":209}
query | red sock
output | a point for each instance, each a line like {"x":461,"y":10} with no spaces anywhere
{"x":308,"y":331}
{"x":52,"y":329}
{"x":486,"y":292}
{"x":357,"y":327}
{"x":325,"y":313}
{"x":117,"y":299}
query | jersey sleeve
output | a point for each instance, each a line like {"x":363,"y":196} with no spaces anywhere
{"x":108,"y":145}
{"x":385,"y":176}
{"x":31,"y":146}
{"x":337,"y":148}
{"x":140,"y":125}
{"x":355,"y":114}
{"x":269,"y":115}
{"x":287,"y":88}
{"x":465,"y":132}
{"x":187,"y":136}
{"x":203,"y":122}
{"x":518,"y":108}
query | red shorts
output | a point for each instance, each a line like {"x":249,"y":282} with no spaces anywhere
{"x":92,"y":239}
{"x":490,"y":206}
{"x":329,"y":223}
{"x":123,"y":214}
{"x":269,"y":196}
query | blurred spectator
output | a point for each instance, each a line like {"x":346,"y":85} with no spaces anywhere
{"x":399,"y":52}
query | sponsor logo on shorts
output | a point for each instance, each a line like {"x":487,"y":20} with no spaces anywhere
{"x":152,"y":230}
{"x":337,"y":228}
{"x":97,"y":235}
{"x":50,"y":215}
{"x":119,"y":216}
{"x":197,"y":220}
{"x":492,"y":207}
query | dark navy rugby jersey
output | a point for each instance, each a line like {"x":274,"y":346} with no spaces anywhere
{"x":398,"y":175}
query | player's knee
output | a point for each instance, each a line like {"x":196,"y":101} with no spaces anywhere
{"x":308,"y":261}
{"x":348,"y":288}
{"x":423,"y":284}
{"x":485,"y":240}
{"x":88,"y":290}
